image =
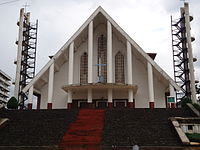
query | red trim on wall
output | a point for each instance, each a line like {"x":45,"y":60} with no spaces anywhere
{"x":151,"y":105}
{"x":173,"y":105}
{"x":168,"y":105}
{"x":29,"y":106}
{"x":49,"y":106}
{"x":131,"y":104}
{"x":110,"y":105}
{"x":69,"y":105}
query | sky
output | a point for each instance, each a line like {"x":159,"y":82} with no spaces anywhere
{"x":146,"y":21}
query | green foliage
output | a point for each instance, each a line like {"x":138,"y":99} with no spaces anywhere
{"x":194,"y":137}
{"x":184,"y":102}
{"x":12,"y":103}
{"x":197,"y":106}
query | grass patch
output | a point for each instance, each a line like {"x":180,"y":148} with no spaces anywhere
{"x":197,"y":106}
{"x":194,"y":137}
{"x":186,"y":100}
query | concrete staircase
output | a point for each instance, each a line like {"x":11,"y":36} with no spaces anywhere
{"x":35,"y":128}
{"x":144,"y":127}
{"x":90,"y":128}
{"x":86,"y":131}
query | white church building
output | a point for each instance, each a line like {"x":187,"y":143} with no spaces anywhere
{"x":101,"y":66}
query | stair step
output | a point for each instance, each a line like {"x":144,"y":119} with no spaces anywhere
{"x":86,"y":130}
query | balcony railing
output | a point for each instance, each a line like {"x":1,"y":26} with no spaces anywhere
{"x":5,"y":81}
{"x":4,"y":94}
{"x":4,"y":87}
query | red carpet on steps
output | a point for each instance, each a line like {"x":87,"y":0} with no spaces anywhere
{"x":86,"y":131}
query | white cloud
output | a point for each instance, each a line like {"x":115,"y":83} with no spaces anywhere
{"x":147,"y":22}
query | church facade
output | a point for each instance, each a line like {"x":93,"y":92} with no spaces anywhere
{"x":100,"y":66}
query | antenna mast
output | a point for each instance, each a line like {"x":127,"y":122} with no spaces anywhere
{"x":182,"y":54}
{"x":26,"y":55}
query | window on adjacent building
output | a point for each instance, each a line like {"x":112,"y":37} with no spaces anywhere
{"x":190,"y":127}
{"x":84,"y":68}
{"x":119,"y":68}
{"x":102,"y":58}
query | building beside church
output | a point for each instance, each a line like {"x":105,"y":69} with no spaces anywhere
{"x":101,"y":66}
{"x":4,"y":87}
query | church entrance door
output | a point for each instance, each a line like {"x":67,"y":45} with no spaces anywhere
{"x":83,"y":104}
{"x":120,"y":103}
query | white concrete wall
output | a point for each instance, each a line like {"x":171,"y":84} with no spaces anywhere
{"x":80,"y":95}
{"x":139,"y":77}
{"x":59,"y":95}
{"x":100,"y":94}
{"x":118,"y":94}
{"x":44,"y":97}
{"x":159,"y":92}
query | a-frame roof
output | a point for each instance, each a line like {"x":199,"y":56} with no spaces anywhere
{"x":114,"y":24}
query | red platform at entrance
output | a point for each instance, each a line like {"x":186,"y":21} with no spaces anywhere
{"x":87,"y":130}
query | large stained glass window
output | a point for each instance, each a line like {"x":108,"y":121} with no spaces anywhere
{"x":119,"y":68}
{"x":84,"y":68}
{"x":102,"y":58}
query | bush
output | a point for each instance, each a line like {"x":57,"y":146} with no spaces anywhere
{"x":197,"y":106}
{"x":12,"y":103}
{"x":184,"y":102}
{"x":194,"y":137}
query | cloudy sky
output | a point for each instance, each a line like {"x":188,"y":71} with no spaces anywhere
{"x":146,"y":21}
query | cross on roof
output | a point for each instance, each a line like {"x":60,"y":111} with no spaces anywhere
{"x":25,"y":6}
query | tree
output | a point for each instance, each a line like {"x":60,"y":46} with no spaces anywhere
{"x":184,"y":102}
{"x":12,"y":103}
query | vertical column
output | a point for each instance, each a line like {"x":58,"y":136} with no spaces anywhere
{"x":90,"y":52}
{"x":172,"y":93}
{"x":185,"y":55}
{"x":89,"y":98}
{"x":50,"y":86}
{"x":109,"y":63}
{"x":150,"y":85}
{"x":30,"y":98}
{"x":71,"y":63}
{"x":109,"y":53}
{"x":19,"y":54}
{"x":129,"y":64}
{"x":70,"y":74}
{"x":190,"y":60}
{"x":110,"y":98}
{"x":69,"y":99}
{"x":131,"y":103}
{"x":129,"y":75}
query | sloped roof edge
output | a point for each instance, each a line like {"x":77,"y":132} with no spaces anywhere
{"x":40,"y":73}
{"x":140,"y":49}
{"x":85,"y":24}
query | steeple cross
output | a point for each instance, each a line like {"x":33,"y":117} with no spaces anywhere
{"x":25,"y":6}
